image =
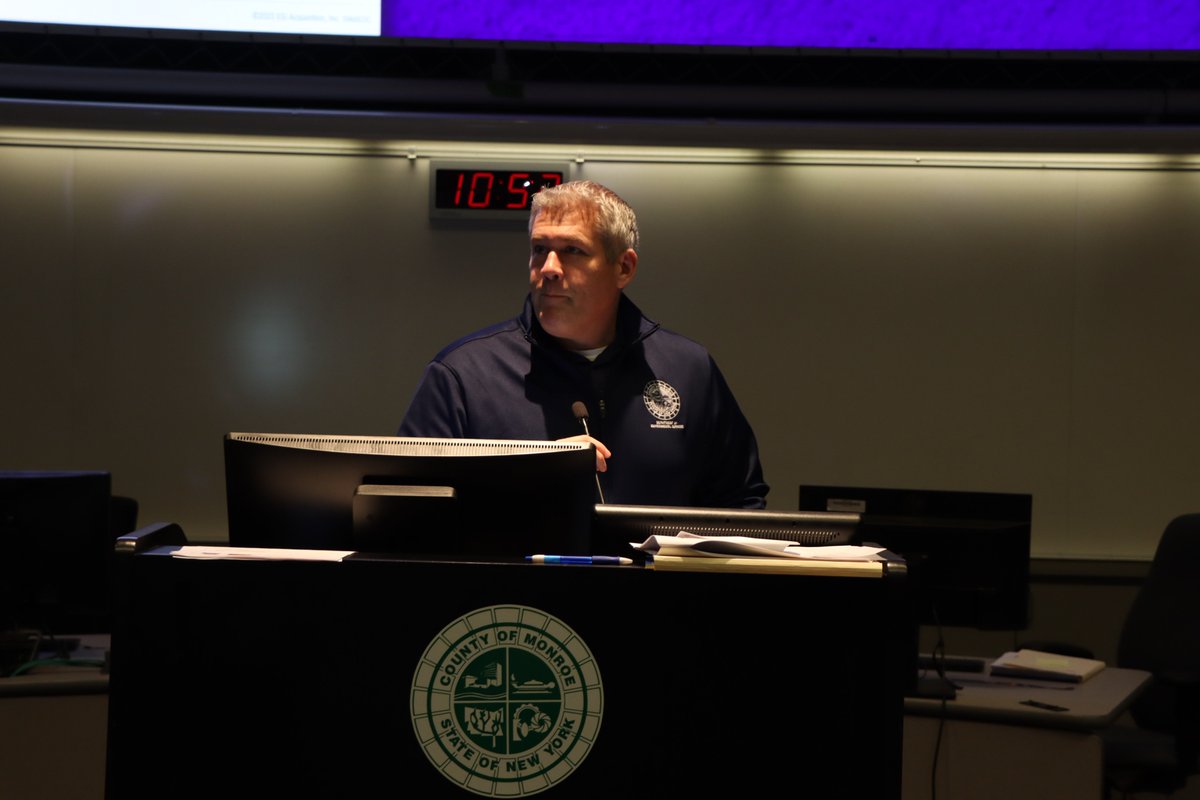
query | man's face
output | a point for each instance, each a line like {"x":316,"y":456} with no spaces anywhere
{"x":575,"y":287}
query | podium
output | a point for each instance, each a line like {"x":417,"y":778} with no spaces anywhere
{"x":446,"y":679}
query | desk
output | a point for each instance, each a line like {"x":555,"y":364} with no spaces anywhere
{"x":52,"y":732}
{"x":314,"y":679}
{"x":993,"y":746}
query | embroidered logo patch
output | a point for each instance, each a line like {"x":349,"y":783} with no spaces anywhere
{"x":507,"y":701}
{"x":663,"y":403}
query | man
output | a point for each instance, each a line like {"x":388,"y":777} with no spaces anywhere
{"x":666,"y":427}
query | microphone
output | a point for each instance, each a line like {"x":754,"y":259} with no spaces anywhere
{"x":581,"y":413}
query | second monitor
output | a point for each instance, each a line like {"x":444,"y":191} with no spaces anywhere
{"x":967,"y":552}
{"x":615,"y":527}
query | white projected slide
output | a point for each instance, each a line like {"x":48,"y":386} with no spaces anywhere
{"x":339,"y":17}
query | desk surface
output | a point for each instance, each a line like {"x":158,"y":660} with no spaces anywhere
{"x":1090,"y":705}
{"x":74,"y":680}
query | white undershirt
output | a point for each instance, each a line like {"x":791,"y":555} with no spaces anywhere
{"x":591,"y":354}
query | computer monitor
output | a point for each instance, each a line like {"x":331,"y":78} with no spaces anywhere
{"x":56,"y":548}
{"x":416,"y":496}
{"x":967,"y":552}
{"x":615,"y":526}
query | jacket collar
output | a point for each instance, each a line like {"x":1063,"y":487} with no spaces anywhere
{"x":632,"y":326}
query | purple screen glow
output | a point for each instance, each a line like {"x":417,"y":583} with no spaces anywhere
{"x":881,"y":24}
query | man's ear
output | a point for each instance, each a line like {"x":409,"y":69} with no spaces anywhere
{"x":626,"y":267}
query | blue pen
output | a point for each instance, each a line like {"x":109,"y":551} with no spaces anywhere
{"x":543,"y":559}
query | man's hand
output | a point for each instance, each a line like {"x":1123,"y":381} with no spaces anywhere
{"x":602,"y":452}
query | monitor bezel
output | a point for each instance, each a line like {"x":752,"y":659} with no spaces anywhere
{"x":56,"y":527}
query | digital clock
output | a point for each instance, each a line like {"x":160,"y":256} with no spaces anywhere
{"x":459,"y":191}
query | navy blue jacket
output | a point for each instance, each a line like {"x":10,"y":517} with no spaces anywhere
{"x":655,"y":398}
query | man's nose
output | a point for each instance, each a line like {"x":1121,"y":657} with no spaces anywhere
{"x":552,"y":267}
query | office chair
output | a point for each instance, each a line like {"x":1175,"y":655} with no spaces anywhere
{"x":122,"y":515}
{"x":1161,"y":635}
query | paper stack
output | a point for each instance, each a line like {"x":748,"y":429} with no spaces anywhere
{"x":1045,"y":666}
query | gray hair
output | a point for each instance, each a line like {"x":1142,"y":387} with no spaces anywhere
{"x":611,"y":217}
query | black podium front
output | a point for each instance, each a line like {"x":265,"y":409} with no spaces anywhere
{"x":386,"y":677}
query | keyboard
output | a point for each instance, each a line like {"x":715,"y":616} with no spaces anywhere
{"x":926,"y":661}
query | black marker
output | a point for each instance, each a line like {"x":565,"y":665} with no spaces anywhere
{"x":1046,"y":706}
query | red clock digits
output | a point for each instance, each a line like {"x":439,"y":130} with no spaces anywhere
{"x":518,"y":184}
{"x":473,"y":198}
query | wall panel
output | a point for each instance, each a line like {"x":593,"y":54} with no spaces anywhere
{"x":980,"y":326}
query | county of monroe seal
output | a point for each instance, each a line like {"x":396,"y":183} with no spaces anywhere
{"x":507,"y":701}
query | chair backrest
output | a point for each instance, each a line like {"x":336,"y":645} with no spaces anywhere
{"x":122,"y":515}
{"x":1162,"y":630}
